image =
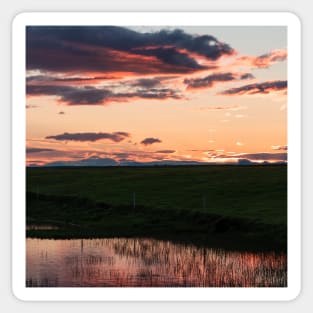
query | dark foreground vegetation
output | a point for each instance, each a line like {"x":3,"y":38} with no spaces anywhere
{"x":239,"y":207}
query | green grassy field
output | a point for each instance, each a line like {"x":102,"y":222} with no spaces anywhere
{"x":179,"y":201}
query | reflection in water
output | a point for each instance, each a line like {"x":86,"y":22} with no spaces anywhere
{"x":121,"y":262}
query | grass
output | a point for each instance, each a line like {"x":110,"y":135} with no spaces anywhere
{"x":174,"y":202}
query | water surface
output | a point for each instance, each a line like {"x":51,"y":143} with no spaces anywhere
{"x":124,"y":262}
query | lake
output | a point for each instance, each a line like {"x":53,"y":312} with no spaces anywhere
{"x":138,"y":262}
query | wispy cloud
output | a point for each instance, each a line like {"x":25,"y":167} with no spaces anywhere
{"x":166,"y":151}
{"x":264,"y":60}
{"x":225,"y":107}
{"x":285,"y":148}
{"x":66,"y":79}
{"x":258,"y":88}
{"x":261,"y":156}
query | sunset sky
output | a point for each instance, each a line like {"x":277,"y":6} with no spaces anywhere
{"x":112,"y":95}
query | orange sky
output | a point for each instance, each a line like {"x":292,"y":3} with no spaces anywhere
{"x":115,"y":96}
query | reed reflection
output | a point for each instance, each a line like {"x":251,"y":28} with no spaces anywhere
{"x":122,"y":262}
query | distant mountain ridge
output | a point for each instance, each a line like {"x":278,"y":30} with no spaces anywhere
{"x":98,"y":162}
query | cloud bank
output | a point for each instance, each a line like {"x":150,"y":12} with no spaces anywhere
{"x":118,"y":49}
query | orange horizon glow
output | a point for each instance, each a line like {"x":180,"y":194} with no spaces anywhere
{"x":187,"y":102}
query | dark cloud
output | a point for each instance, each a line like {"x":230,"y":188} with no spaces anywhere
{"x":247,"y":76}
{"x":113,"y":49}
{"x":38,"y":150}
{"x":71,"y":95}
{"x":166,"y":151}
{"x":210,"y":80}
{"x":116,"y":136}
{"x":172,"y":56}
{"x":89,"y":95}
{"x":260,"y":88}
{"x":204,"y":45}
{"x":150,"y":141}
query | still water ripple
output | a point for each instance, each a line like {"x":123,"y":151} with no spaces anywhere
{"x":137,"y":262}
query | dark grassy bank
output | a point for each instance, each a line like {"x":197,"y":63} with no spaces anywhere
{"x":227,"y":206}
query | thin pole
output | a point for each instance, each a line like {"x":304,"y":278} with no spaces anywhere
{"x":134,"y":200}
{"x":204,"y":201}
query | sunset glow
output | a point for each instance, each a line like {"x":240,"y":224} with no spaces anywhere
{"x":156,"y":95}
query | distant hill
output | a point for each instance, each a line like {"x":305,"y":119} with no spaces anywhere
{"x":98,"y":162}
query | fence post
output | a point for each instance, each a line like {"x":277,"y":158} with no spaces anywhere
{"x":134,"y":200}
